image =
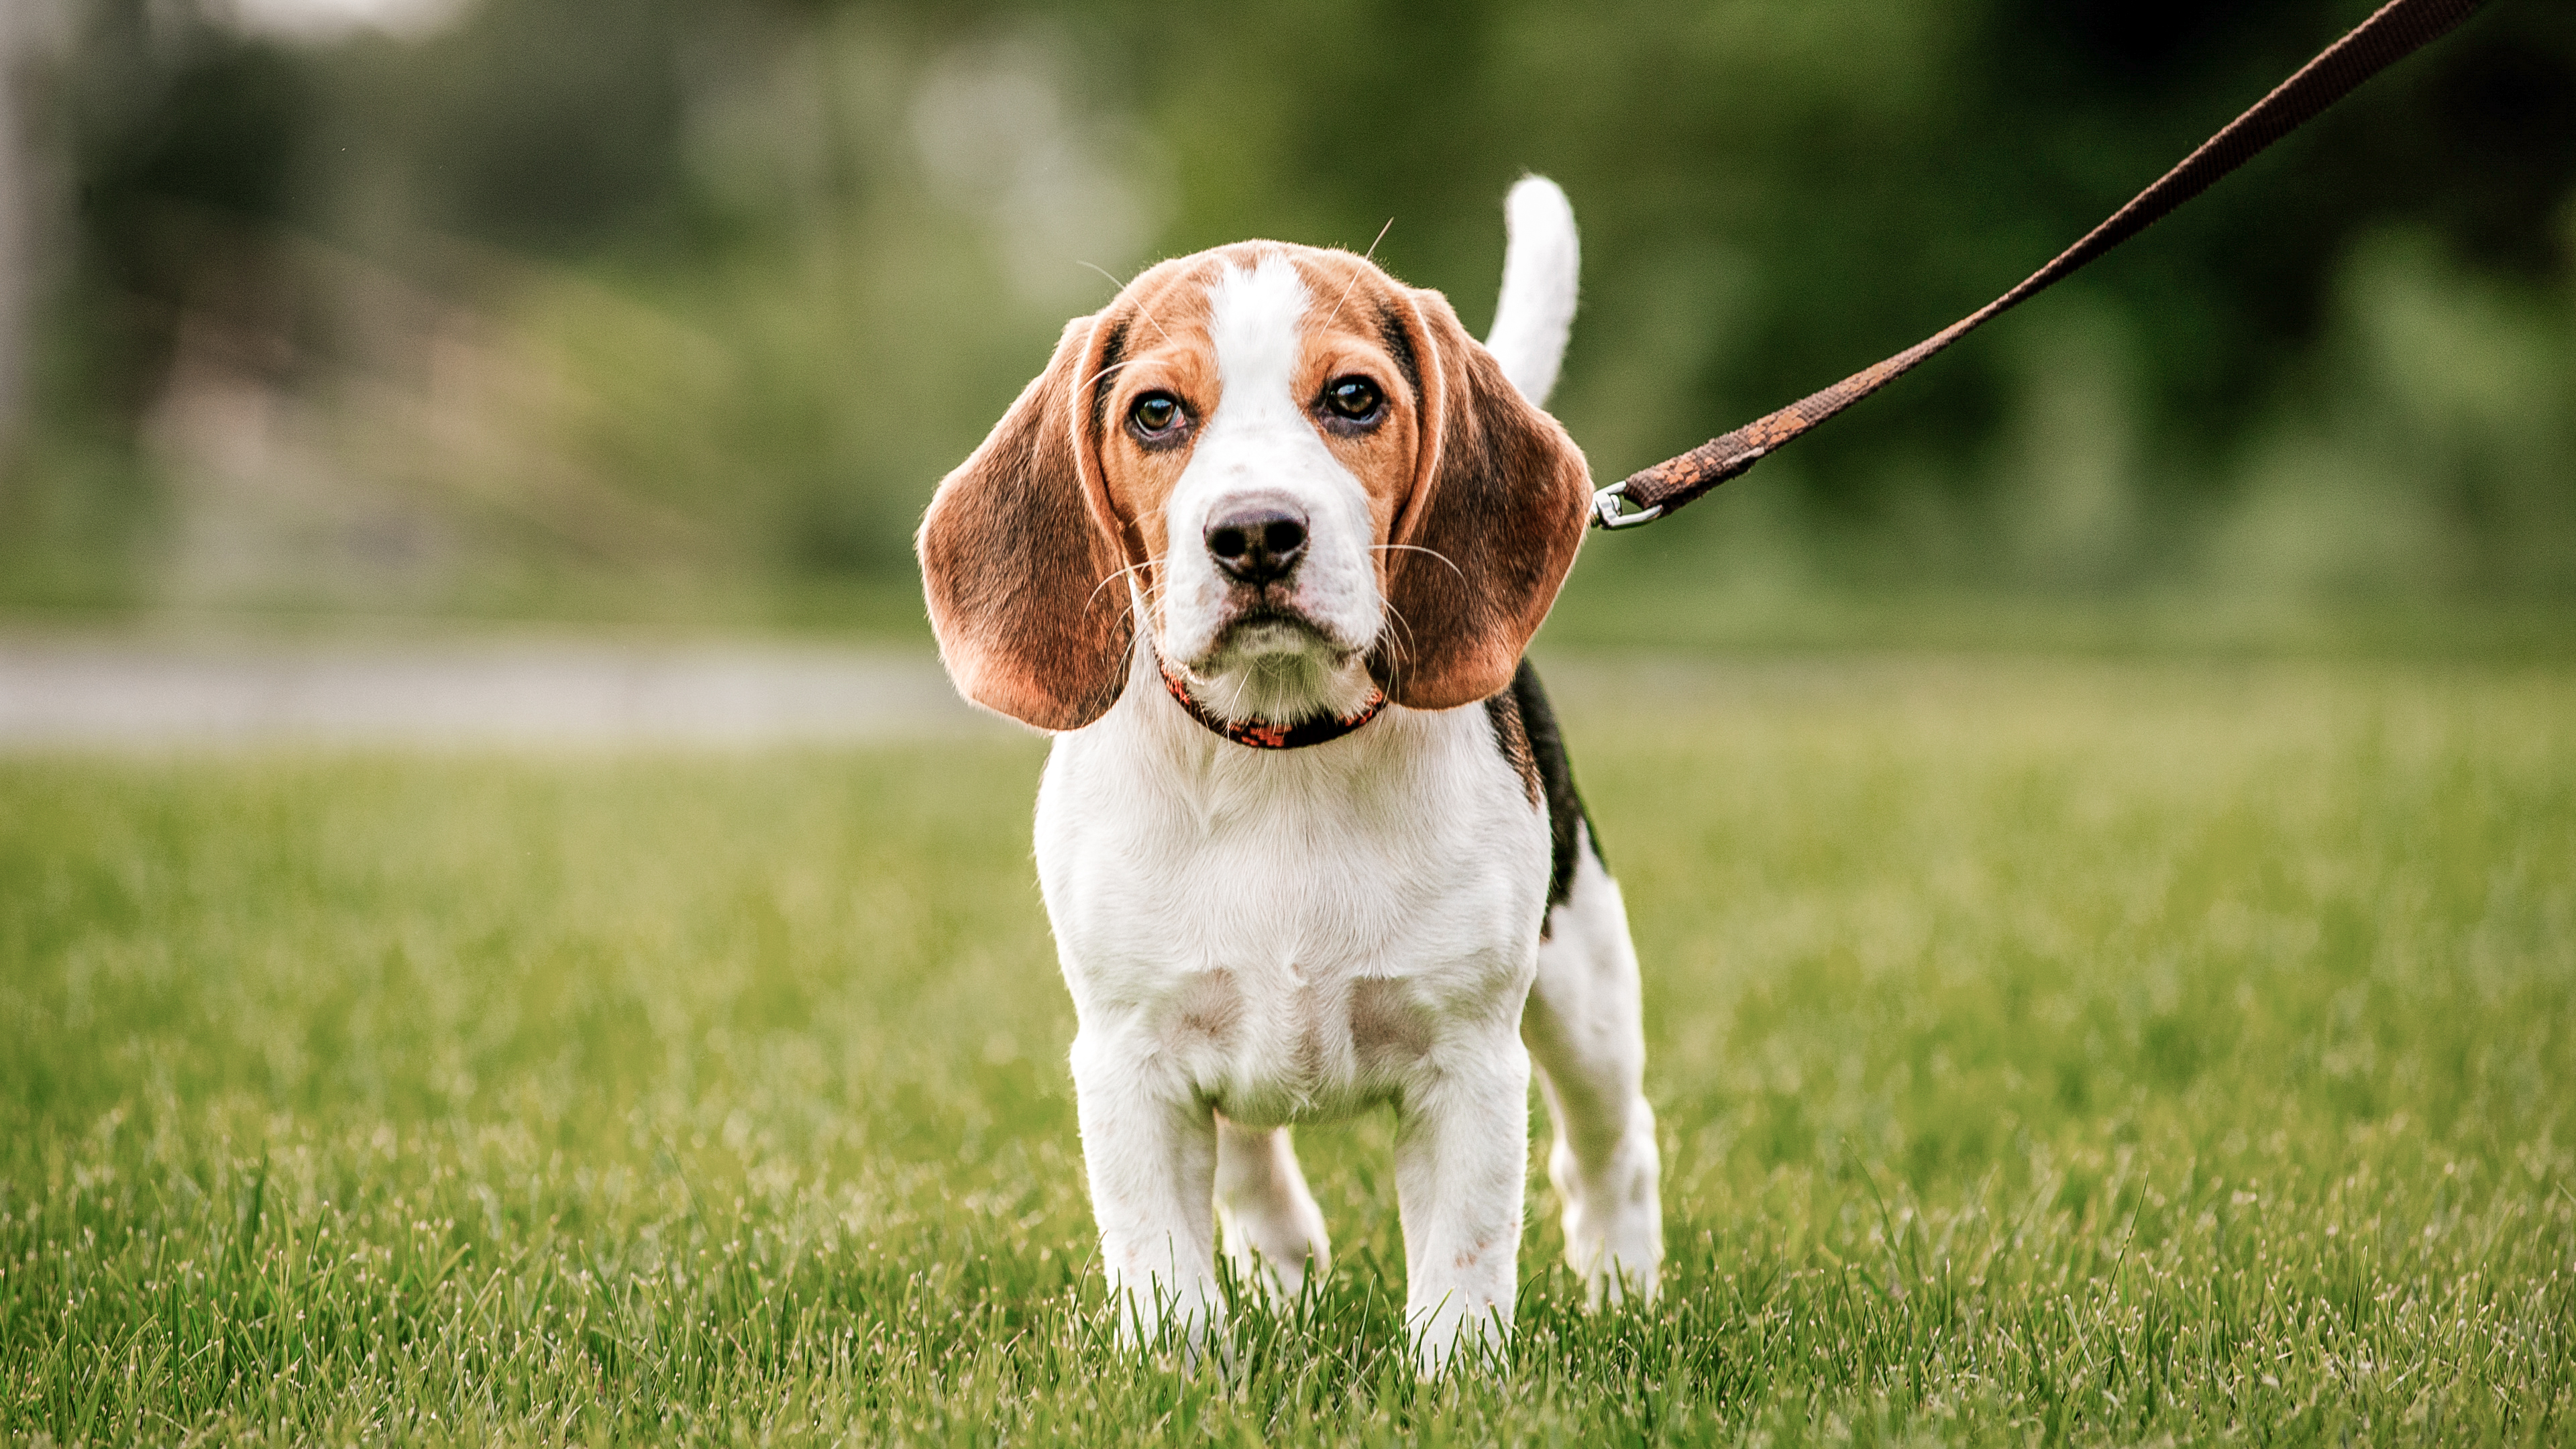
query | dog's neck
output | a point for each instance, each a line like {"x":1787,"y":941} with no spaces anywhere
{"x":1261,"y":734}
{"x":1281,"y":688}
{"x":1252,"y":714}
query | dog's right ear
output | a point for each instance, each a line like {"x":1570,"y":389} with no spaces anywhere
{"x":1022,"y":578}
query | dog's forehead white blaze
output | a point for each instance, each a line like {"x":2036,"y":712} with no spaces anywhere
{"x":1253,"y":322}
{"x":1261,"y":448}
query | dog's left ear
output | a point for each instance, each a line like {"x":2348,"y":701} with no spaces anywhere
{"x":1500,"y":498}
{"x":1017,"y":559}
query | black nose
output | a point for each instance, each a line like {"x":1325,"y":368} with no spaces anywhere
{"x":1257,"y":544}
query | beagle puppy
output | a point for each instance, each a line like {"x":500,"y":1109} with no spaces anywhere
{"x":1263,"y":546}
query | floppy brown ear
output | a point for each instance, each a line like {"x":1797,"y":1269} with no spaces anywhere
{"x":1498,"y":509}
{"x":1021,"y":578}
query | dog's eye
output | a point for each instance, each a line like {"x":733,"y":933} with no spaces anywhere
{"x":1156,"y":416}
{"x":1354,"y":398}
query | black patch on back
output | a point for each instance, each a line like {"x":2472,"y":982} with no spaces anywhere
{"x":1512,"y":738}
{"x":1525,"y":731}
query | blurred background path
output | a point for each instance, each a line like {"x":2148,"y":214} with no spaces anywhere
{"x":468,"y":694}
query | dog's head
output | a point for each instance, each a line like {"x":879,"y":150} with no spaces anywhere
{"x":1308,"y":473}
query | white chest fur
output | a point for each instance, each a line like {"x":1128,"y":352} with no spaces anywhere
{"x":1290,"y":934}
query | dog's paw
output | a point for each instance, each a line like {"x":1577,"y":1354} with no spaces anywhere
{"x":1614,"y":1218}
{"x":1453,"y":1337}
{"x":1275,"y":1252}
{"x":1177,"y":1343}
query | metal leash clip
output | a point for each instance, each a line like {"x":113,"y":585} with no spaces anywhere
{"x":1605,"y":508}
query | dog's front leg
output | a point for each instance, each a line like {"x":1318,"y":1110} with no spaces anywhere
{"x":1150,"y":1146}
{"x":1461,"y":1153}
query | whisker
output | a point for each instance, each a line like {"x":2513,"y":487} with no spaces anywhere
{"x":1373,"y":241}
{"x":1147,"y":313}
{"x":1136,"y":616}
{"x":1116,"y":284}
{"x":1355,"y":276}
{"x":1402,"y":646}
{"x":1417,"y":548}
{"x":1122,"y":286}
{"x":1095,"y":378}
{"x":1141,"y":309}
{"x":1113,"y":578}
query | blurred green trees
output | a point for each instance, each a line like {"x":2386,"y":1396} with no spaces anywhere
{"x":673,"y":299}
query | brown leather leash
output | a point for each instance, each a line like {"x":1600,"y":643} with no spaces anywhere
{"x":2395,"y":31}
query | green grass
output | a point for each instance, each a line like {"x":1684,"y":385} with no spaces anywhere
{"x":2045,"y":1051}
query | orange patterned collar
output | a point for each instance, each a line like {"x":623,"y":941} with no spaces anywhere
{"x":1263,"y":735}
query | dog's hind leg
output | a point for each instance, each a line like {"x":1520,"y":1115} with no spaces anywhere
{"x":1585,"y":1030}
{"x":1273,"y":1232}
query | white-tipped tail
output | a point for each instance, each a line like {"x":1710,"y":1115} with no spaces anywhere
{"x":1542,"y":265}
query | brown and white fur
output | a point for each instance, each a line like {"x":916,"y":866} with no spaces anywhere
{"x":1406,"y":915}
